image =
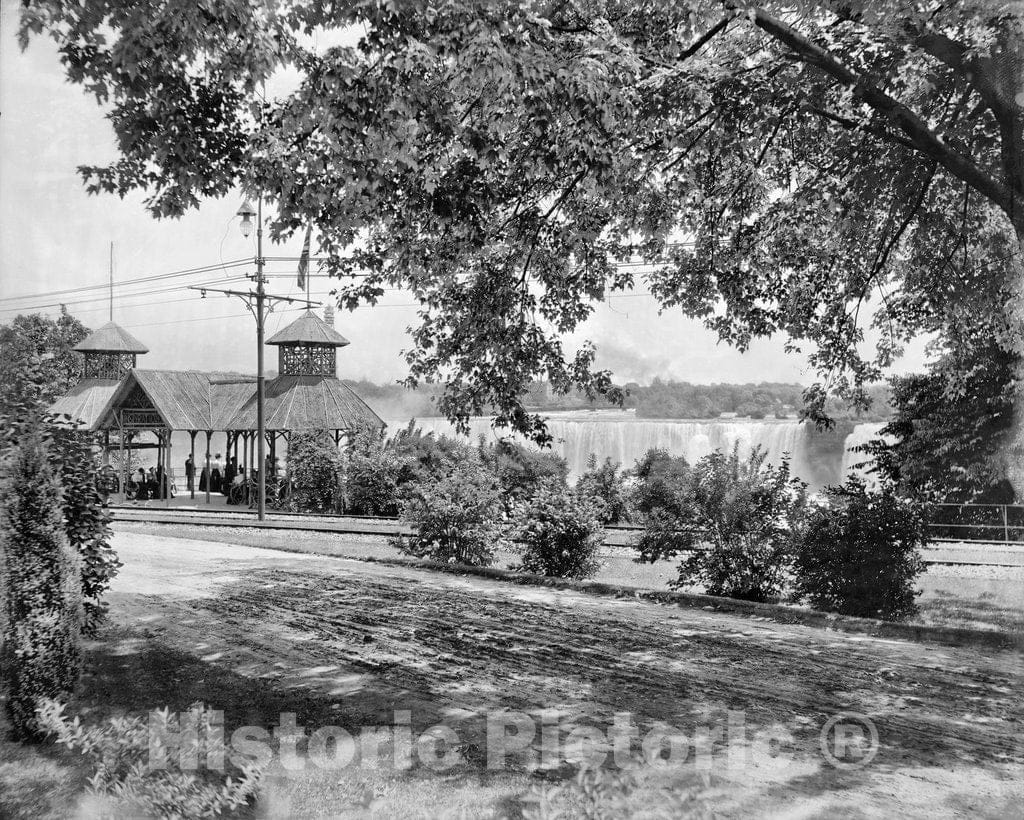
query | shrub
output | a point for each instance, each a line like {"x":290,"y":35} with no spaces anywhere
{"x":734,"y":519}
{"x":372,"y":475}
{"x":314,"y":465}
{"x":606,"y":484}
{"x":657,"y":479}
{"x":456,"y":518}
{"x":860,"y":554}
{"x":520,"y":470}
{"x":86,"y":520}
{"x":423,"y":455}
{"x":561,"y":532}
{"x":42,"y":619}
{"x":121,"y":750}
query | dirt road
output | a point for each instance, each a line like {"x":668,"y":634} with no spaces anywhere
{"x":350,"y":642}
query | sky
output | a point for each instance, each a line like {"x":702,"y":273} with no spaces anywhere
{"x":54,"y":237}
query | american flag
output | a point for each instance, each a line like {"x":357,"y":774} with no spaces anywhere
{"x":304,"y":258}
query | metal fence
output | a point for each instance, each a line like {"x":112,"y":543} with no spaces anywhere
{"x":992,"y":523}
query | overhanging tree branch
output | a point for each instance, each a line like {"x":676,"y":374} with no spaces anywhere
{"x":915,"y":129}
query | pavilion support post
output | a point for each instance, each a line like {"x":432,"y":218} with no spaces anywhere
{"x":106,"y":448}
{"x":192,"y":458}
{"x":123,"y":483}
{"x":245,"y":464}
{"x":209,"y":435}
{"x":168,"y":481}
{"x":159,"y":455}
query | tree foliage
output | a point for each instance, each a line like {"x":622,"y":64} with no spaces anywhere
{"x":372,"y":473}
{"x":456,"y":517}
{"x":560,"y":530}
{"x":860,"y":553}
{"x":733,"y":519}
{"x":86,"y":518}
{"x":40,"y":653}
{"x":314,"y":469}
{"x":605,"y":483}
{"x":45,"y":343}
{"x":495,"y":157}
{"x":521,"y":470}
{"x":950,"y":437}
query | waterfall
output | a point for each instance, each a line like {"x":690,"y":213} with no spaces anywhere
{"x":862,"y":434}
{"x":624,"y":439}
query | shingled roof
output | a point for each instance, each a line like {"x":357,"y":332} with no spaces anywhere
{"x":86,"y":400}
{"x":189,"y":400}
{"x":308,"y":403}
{"x":110,"y":338}
{"x":308,"y":329}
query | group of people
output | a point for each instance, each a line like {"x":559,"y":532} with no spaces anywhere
{"x":223,"y":475}
{"x":219,"y":477}
{"x":155,"y":483}
{"x":152,"y":483}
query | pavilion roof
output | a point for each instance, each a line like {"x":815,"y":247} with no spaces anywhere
{"x":308,"y":403}
{"x":111,"y":338}
{"x":191,"y":400}
{"x":86,"y":400}
{"x":308,"y":329}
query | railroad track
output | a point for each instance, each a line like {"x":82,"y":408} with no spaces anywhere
{"x":382,"y":526}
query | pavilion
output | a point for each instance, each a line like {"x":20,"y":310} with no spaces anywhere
{"x":109,"y":353}
{"x":116,"y":397}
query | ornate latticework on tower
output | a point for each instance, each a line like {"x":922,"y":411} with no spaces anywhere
{"x":110,"y":352}
{"x":308,"y":347}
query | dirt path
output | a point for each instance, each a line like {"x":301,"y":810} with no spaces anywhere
{"x":369,"y":639}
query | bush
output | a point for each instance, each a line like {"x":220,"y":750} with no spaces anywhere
{"x":456,"y":518}
{"x":372,"y":475}
{"x":561,"y":531}
{"x":520,"y":470}
{"x":734,"y":519}
{"x":314,"y":466}
{"x":605,"y":484}
{"x":86,"y":520}
{"x":860,"y":554}
{"x":423,"y":455}
{"x":42,"y":618}
{"x":657,"y":479}
{"x":121,"y":751}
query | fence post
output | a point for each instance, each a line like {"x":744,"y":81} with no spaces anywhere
{"x":1006,"y":527}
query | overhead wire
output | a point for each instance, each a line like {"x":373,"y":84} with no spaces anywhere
{"x":128,"y":282}
{"x":121,"y":296}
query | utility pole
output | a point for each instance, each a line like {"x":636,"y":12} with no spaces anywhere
{"x":261,"y":422}
{"x":257,"y":303}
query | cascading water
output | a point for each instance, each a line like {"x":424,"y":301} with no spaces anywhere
{"x":861,"y":434}
{"x":623,"y":438}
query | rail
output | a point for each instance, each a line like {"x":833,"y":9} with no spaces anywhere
{"x":986,"y":523}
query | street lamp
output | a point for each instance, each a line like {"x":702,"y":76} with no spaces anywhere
{"x":247,"y":212}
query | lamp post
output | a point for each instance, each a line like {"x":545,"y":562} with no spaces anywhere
{"x":247,"y":213}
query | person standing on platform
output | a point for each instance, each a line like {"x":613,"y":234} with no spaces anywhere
{"x":216,"y":473}
{"x":204,"y":476}
{"x":190,"y":474}
{"x":230,"y":471}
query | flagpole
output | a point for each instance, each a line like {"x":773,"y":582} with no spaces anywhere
{"x":111,"y":271}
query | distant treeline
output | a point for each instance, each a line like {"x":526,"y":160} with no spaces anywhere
{"x":658,"y":400}
{"x":765,"y":400}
